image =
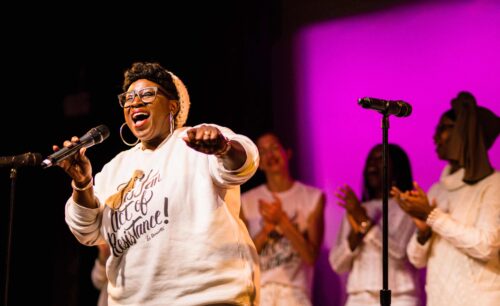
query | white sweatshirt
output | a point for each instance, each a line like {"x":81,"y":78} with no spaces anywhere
{"x":177,"y":239}
{"x":463,"y":255}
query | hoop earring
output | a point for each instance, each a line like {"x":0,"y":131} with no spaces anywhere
{"x":123,"y":139}
{"x":172,"y":123}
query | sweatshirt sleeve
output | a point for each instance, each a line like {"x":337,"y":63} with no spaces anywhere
{"x":226,"y":177}
{"x":341,"y":257}
{"x":84,"y":222}
{"x":480,"y":240}
{"x":417,"y":253}
{"x":481,"y":243}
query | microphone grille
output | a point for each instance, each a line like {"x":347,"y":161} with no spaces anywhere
{"x":364,"y":102}
{"x":405,"y":109}
{"x":99,"y":133}
{"x":29,"y":159}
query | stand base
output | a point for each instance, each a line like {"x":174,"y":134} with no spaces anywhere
{"x":385,"y":297}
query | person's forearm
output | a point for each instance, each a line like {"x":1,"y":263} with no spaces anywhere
{"x":260,"y":239}
{"x":306,"y":251}
{"x":424,"y":235}
{"x":354,"y":239}
{"x":357,"y":231}
{"x":83,"y":194}
{"x":235,"y":157}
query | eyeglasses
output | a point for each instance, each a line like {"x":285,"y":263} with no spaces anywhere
{"x":146,"y":95}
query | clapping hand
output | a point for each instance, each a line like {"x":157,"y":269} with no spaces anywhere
{"x":349,"y":201}
{"x":271,"y":212}
{"x":414,"y":202}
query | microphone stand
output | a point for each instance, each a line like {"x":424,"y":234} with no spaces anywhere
{"x":385,"y":293}
{"x":400,"y":109}
{"x":13,"y":177}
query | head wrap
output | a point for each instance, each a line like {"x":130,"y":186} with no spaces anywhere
{"x":475,"y":131}
{"x":184,"y":103}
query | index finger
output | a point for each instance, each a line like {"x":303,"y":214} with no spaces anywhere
{"x":191,"y":133}
{"x":418,"y":189}
{"x":395,"y":192}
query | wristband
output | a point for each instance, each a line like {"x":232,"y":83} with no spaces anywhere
{"x":225,"y":150}
{"x":83,"y":188}
{"x":364,"y":226}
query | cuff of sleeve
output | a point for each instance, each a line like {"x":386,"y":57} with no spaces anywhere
{"x":372,"y":234}
{"x":85,"y":210}
{"x":244,"y":170}
{"x":348,"y":251}
{"x":435,"y":214}
{"x":417,"y":253}
{"x":79,"y":212}
{"x":238,"y":176}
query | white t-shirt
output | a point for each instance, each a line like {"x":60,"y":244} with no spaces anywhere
{"x":279,"y":261}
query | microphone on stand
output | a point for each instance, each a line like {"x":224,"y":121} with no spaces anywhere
{"x":22,"y":160}
{"x":397,"y":108}
{"x":92,"y":137}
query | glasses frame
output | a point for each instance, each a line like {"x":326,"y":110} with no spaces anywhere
{"x":136,"y":94}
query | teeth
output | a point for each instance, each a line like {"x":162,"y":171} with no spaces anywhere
{"x":138,"y":114}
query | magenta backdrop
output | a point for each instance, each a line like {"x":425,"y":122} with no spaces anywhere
{"x":423,"y":54}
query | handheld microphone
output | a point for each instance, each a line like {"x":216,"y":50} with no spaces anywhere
{"x":23,"y":160}
{"x":397,"y":108}
{"x":92,"y":137}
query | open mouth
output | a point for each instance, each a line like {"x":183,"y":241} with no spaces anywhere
{"x":139,"y":118}
{"x":272,"y":161}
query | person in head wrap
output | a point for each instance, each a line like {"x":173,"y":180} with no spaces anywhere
{"x":458,"y":221}
{"x":168,"y":208}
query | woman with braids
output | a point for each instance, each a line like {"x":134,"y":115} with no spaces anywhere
{"x":167,"y":207}
{"x":458,"y":221}
{"x":358,"y":248}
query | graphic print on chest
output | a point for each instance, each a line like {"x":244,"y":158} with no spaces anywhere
{"x":278,"y":251}
{"x":139,"y":213}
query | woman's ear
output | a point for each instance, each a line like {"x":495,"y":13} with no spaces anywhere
{"x":174,"y":107}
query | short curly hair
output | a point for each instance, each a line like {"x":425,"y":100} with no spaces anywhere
{"x":170,"y":83}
